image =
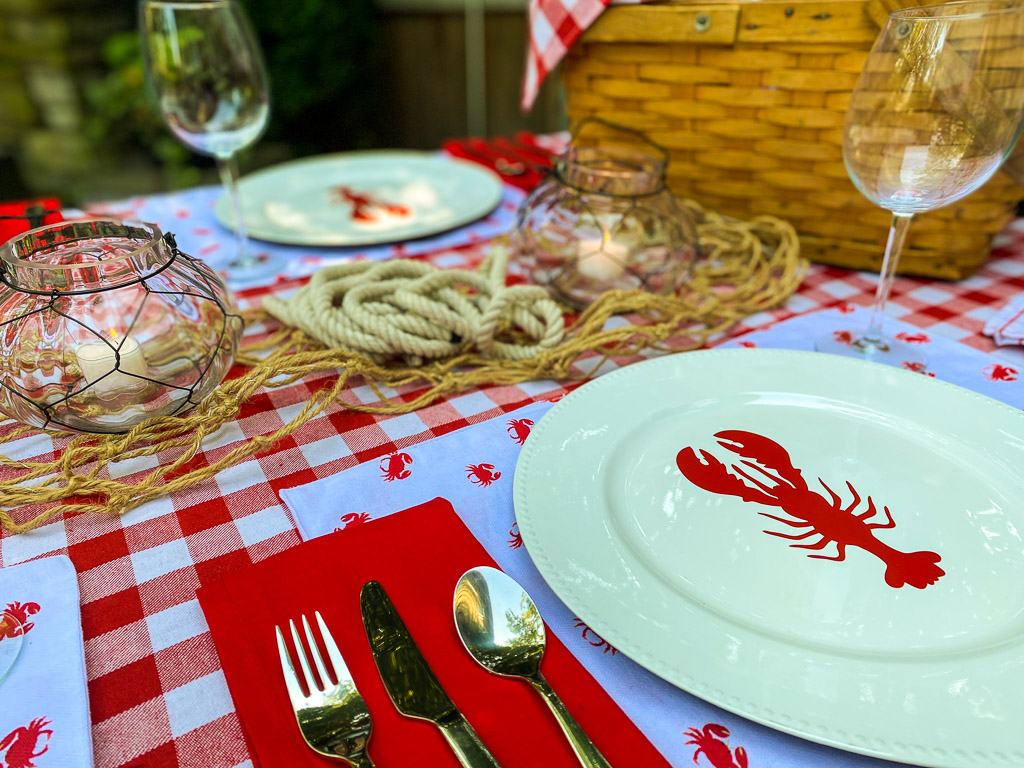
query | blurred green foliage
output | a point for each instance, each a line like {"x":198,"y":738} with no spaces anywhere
{"x":321,"y":55}
{"x":122,"y":118}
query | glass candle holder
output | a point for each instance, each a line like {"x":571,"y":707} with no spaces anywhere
{"x":604,"y":220}
{"x":106,"y":323}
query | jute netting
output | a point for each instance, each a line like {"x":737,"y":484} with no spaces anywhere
{"x":430,"y":333}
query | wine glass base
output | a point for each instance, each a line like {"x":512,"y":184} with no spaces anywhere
{"x":887,"y":350}
{"x":256,"y":267}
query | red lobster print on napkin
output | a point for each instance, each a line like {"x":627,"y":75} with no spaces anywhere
{"x":772,"y":480}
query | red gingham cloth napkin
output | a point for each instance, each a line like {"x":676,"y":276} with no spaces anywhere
{"x":554,"y":25}
{"x":418,"y":555}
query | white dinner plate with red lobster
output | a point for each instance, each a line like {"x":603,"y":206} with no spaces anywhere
{"x":831,"y":547}
{"x":362,"y":198}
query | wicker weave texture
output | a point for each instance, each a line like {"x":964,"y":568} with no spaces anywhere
{"x":749,"y":99}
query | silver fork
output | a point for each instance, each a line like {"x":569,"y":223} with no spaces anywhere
{"x":333,"y":718}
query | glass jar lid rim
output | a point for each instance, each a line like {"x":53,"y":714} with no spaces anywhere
{"x":9,"y":254}
{"x":577,"y":170}
{"x":35,"y":277}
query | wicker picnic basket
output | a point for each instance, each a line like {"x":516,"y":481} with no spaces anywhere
{"x":749,"y":99}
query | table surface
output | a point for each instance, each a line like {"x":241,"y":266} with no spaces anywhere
{"x":157,"y":695}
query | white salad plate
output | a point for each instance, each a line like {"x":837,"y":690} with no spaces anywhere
{"x":362,"y":198}
{"x":908,"y":644}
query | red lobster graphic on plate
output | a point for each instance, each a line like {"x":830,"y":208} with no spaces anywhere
{"x":364,"y":206}
{"x":20,"y":743}
{"x":782,"y":485}
{"x":19,"y":612}
{"x":709,"y":742}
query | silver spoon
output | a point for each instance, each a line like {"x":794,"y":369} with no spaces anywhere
{"x":501,"y":628}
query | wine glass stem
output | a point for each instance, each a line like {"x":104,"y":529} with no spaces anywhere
{"x":228,"y":167}
{"x":893,"y":249}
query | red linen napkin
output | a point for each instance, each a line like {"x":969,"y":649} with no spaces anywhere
{"x":488,"y":154}
{"x":418,"y":555}
{"x":16,"y":217}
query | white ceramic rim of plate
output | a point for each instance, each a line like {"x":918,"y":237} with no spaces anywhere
{"x":485,"y":203}
{"x":16,"y":644}
{"x":700,"y":681}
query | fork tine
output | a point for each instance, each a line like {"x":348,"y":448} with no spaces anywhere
{"x":337,"y":661}
{"x":301,"y":653}
{"x":314,"y":651}
{"x":290,"y":680}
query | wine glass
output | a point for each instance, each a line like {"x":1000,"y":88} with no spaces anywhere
{"x":936,"y":110}
{"x":205,"y":65}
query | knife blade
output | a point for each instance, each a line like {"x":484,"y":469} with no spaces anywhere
{"x":411,"y":683}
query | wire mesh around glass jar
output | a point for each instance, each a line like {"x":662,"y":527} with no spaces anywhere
{"x":604,"y":220}
{"x":106,"y":323}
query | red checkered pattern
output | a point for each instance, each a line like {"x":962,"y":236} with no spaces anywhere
{"x":157,"y":694}
{"x":554,"y":25}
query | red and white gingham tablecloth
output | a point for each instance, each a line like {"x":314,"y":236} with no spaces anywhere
{"x":157,"y":694}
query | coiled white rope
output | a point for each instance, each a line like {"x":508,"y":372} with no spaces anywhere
{"x":415,"y":311}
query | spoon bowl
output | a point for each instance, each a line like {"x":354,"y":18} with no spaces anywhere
{"x":500,"y":626}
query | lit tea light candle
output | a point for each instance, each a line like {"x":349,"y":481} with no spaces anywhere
{"x":98,"y":359}
{"x":602,"y":259}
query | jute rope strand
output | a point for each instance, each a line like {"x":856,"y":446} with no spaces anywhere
{"x":747,"y":267}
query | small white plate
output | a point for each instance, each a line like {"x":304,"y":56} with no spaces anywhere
{"x":677,"y":571}
{"x":362,"y":198}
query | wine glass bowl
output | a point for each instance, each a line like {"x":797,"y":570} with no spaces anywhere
{"x":208,"y":76}
{"x":204,"y":64}
{"x":938,"y":107}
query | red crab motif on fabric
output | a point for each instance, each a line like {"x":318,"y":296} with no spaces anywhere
{"x":366,"y":208}
{"x":709,"y":742}
{"x":843,"y":337}
{"x":746,"y":344}
{"x":14,"y":619}
{"x":519,"y":429}
{"x":592,"y":637}
{"x":770,"y":479}
{"x":395,"y":467}
{"x":517,"y":538}
{"x":482,"y":474}
{"x":997,"y":372}
{"x":353,"y":519}
{"x":914,"y":366}
{"x":913,"y":338}
{"x":18,"y":747}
